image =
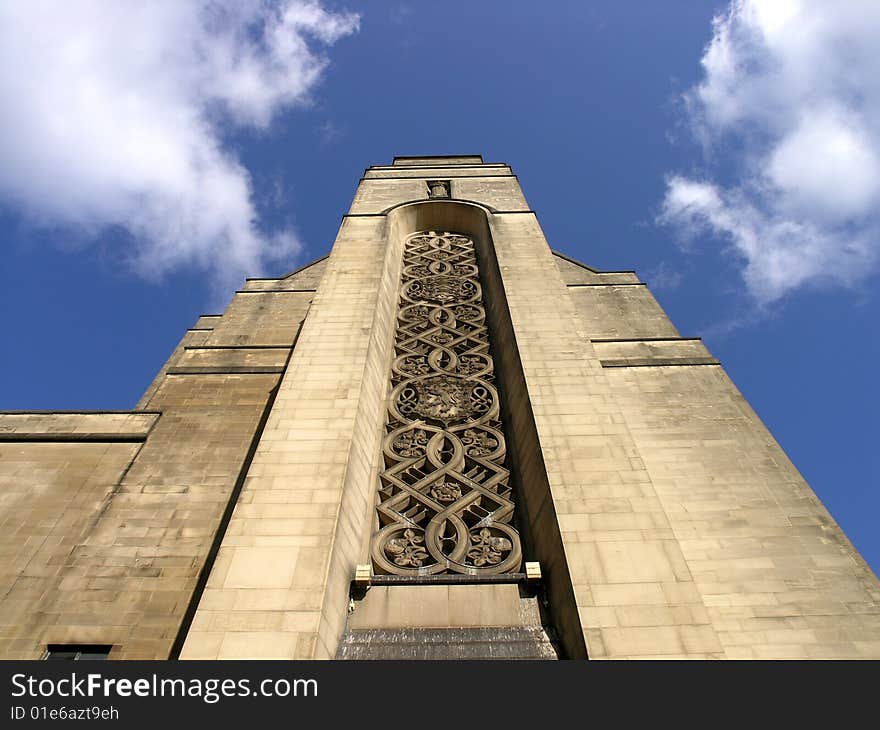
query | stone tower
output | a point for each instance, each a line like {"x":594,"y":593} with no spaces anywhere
{"x":443,"y":440}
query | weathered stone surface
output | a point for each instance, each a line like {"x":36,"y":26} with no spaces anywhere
{"x":667,"y":521}
{"x":611,"y":486}
{"x":652,"y":351}
{"x":109,"y":517}
{"x":62,"y":426}
{"x":490,"y":642}
{"x":574,"y":272}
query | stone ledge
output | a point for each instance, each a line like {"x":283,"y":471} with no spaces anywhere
{"x":276,"y":291}
{"x":236,"y":347}
{"x":431,"y":172}
{"x":607,"y":340}
{"x":609,"y":283}
{"x":514,"y":642}
{"x":216,"y":358}
{"x":225,"y":370}
{"x":652,"y":352}
{"x":648,"y":362}
{"x":55,"y":426}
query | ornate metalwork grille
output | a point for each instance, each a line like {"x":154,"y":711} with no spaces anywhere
{"x":445,"y":500}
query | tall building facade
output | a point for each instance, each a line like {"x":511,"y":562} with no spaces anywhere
{"x":443,"y":440}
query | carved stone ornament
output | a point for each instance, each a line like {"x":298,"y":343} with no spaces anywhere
{"x":438,"y":188}
{"x":407,"y":550}
{"x":478,"y":443}
{"x":444,"y":398}
{"x":442,"y":289}
{"x":446,"y":491}
{"x":445,"y":500}
{"x":411,"y":443}
{"x":488,"y":549}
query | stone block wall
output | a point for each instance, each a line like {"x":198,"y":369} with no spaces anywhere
{"x":668,"y":521}
{"x":110,"y":519}
{"x":224,"y":517}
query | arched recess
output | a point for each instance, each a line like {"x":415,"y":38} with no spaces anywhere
{"x":481,"y":206}
{"x":537,"y":519}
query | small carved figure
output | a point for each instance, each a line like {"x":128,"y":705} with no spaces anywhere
{"x":466,"y":312}
{"x":478,"y":443}
{"x":443,"y":398}
{"x":487,"y":549}
{"x":416,"y":313}
{"x":411,"y":443}
{"x":407,"y":551}
{"x":442,"y":338}
{"x":446,"y":492}
{"x":438,"y":188}
{"x":470,"y":365}
{"x":414,"y":365}
{"x":442,"y":289}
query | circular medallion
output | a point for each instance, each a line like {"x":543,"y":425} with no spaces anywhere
{"x":444,"y":398}
{"x":442,"y":289}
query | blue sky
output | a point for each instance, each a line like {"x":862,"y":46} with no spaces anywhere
{"x":152,"y":158}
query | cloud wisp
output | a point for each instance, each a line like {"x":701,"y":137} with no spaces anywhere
{"x":113,"y":115}
{"x":790,"y":94}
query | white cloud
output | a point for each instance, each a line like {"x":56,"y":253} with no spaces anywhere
{"x":827,"y":165}
{"x":112,"y":114}
{"x":794,"y":87}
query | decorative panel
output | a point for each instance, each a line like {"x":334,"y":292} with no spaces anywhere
{"x":445,"y":501}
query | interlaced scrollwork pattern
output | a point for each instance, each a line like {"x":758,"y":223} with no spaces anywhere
{"x":445,"y":500}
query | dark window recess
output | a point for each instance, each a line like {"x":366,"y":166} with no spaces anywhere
{"x":77,"y":652}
